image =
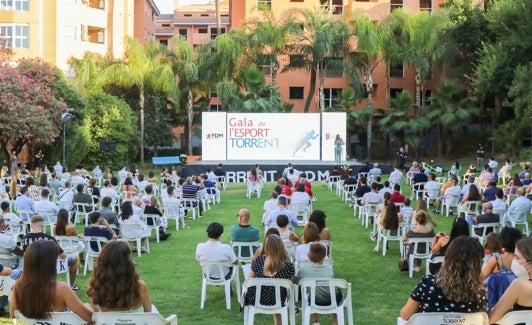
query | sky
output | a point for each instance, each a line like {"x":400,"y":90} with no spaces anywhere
{"x":165,"y":6}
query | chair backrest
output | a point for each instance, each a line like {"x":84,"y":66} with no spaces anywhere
{"x":523,"y":317}
{"x":70,"y":244}
{"x":452,"y":199}
{"x":421,"y":247}
{"x":290,"y":247}
{"x":471,"y":207}
{"x":309,"y":287}
{"x":93,"y":242}
{"x":118,"y":318}
{"x":215,"y":272}
{"x":130,"y":231}
{"x":448,"y":318}
{"x":433,"y":193}
{"x":151,"y":220}
{"x":6,"y":284}
{"x":62,"y":318}
{"x":244,"y":250}
{"x":269,"y":284}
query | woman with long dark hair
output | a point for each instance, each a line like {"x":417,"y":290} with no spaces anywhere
{"x":114,"y":284}
{"x":63,"y":227}
{"x":441,"y":241}
{"x":458,"y":287}
{"x":37,"y":293}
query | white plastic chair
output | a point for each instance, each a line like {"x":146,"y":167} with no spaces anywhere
{"x":222,"y":181}
{"x":14,"y":230}
{"x":63,"y":318}
{"x":418,"y":190}
{"x":133,"y":233}
{"x":369,"y":210}
{"x":309,"y":306}
{"x":175,"y":212}
{"x":245,"y":250}
{"x":90,"y":254}
{"x":253,"y":188}
{"x":50,"y":219}
{"x":6,"y":284}
{"x":450,"y":201}
{"x":153,"y":222}
{"x":470,"y":207}
{"x":333,"y":181}
{"x":433,"y":260}
{"x":302,"y":211}
{"x":214,"y":273}
{"x":348,"y":191}
{"x":416,"y":252}
{"x":192,"y":204}
{"x":387,"y":235}
{"x":521,"y":219}
{"x":285,"y":308}
{"x":445,"y":318}
{"x":432,"y":195}
{"x":486,"y":229}
{"x":523,"y":317}
{"x":118,"y":318}
{"x":290,"y":247}
{"x":82,"y":210}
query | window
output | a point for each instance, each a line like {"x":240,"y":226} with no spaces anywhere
{"x":396,"y":4}
{"x":204,"y":15}
{"x":214,"y":32}
{"x":266,"y":69}
{"x":214,"y":94}
{"x":264,"y":4}
{"x":425,"y":5}
{"x":330,"y":95}
{"x":428,"y":97}
{"x":203,"y":30}
{"x":15,"y":36}
{"x":215,"y":108}
{"x":394,"y":92}
{"x":396,"y":70}
{"x":333,"y":67}
{"x":188,"y":15}
{"x":297,"y":60}
{"x":166,"y":25}
{"x":296,"y":92}
{"x":164,"y":42}
{"x":183,"y":33}
{"x":297,"y":0}
{"x":334,"y":6}
{"x":21,"y":5}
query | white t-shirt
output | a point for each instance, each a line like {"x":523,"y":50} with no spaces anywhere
{"x":214,"y":251}
{"x":301,"y":252}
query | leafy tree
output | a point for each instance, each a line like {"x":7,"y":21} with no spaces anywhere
{"x":141,"y":69}
{"x":30,"y":109}
{"x":109,"y":119}
{"x":254,"y":97}
{"x":452,"y":109}
{"x":322,"y":37}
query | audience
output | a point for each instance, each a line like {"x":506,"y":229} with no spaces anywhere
{"x":244,"y":232}
{"x":311,"y":234}
{"x":319,"y":217}
{"x":441,"y":241}
{"x":420,"y":230}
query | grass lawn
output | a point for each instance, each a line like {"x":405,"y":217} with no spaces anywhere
{"x":174,"y":278}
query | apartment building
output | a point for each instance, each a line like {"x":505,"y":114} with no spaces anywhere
{"x":197,"y":22}
{"x":55,"y":30}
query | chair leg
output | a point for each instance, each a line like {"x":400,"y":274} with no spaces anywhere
{"x":203,"y":293}
{"x":410,"y":265}
{"x":139,"y":247}
{"x":228,"y":295}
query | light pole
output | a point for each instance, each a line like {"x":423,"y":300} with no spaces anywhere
{"x":65,"y":117}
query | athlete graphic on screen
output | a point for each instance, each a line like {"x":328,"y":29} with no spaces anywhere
{"x":306,"y":141}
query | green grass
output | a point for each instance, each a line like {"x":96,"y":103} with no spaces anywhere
{"x":174,"y":278}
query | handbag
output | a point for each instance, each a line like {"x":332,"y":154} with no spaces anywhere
{"x":403,"y":263}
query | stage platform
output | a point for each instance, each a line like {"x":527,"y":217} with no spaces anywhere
{"x":236,"y":170}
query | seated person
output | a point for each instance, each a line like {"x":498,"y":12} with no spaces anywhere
{"x":316,"y":254}
{"x":458,"y":287}
{"x":310,"y":234}
{"x":39,"y":280}
{"x":486,"y":217}
{"x":300,"y":196}
{"x":214,"y":251}
{"x":420,"y":230}
{"x":285,"y":233}
{"x":441,"y":241}
{"x":318,"y":217}
{"x":128,"y":292}
{"x":100,"y":228}
{"x":107,"y":213}
{"x":518,"y":296}
{"x":154,"y":208}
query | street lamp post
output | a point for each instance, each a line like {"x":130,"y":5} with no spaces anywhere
{"x":65,"y":117}
{"x":492,"y":110}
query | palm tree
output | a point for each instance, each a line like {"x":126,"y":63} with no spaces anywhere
{"x":322,"y":37}
{"x":371,"y":40}
{"x":142,"y":69}
{"x":268,"y":36}
{"x":184,"y":62}
{"x":452,"y":108}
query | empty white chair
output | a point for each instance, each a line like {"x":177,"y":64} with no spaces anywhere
{"x":281,"y":306}
{"x":523,"y":317}
{"x":63,"y":318}
{"x":118,"y":318}
{"x":309,"y":305}
{"x":445,"y":318}
{"x":219,"y":274}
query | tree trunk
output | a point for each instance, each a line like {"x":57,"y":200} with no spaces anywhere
{"x":311,"y":89}
{"x":369,"y":90}
{"x":190,"y":116}
{"x":218,"y":18}
{"x":141,"y":111}
{"x":321,"y":91}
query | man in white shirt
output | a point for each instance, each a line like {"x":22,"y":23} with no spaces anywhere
{"x":66,"y":197}
{"x":432,"y":186}
{"x":396,"y":175}
{"x":44,"y":204}
{"x":375,"y":171}
{"x":499,"y":204}
{"x":122,"y":174}
{"x":58,"y":168}
{"x":269,"y":205}
{"x":77,"y":178}
{"x":470,"y":182}
{"x":493,"y":164}
{"x":453,"y":190}
{"x":519,"y":208}
{"x":214,"y":251}
{"x":109,"y":191}
{"x":141,"y":183}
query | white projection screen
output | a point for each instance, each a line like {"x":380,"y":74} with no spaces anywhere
{"x":270,"y":136}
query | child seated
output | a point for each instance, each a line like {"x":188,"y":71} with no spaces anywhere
{"x":285,"y":233}
{"x":492,"y":247}
{"x":316,"y":269}
{"x":406,"y":213}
